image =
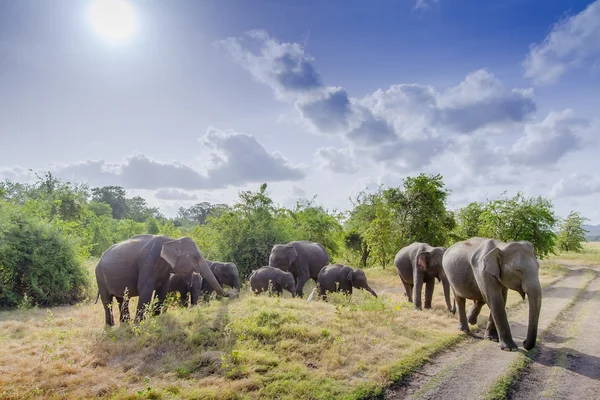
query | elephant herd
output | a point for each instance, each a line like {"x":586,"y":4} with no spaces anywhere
{"x":478,"y":269}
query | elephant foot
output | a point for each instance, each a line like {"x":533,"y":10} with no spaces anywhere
{"x":472,"y":319}
{"x":528,"y":346}
{"x":509,"y":346}
{"x":493,"y":336}
{"x":465,"y":329}
{"x":452,"y":310}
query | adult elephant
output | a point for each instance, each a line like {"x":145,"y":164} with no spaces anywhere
{"x":226,"y":273}
{"x":483,"y":270}
{"x":143,"y":264}
{"x":420,"y":263}
{"x":302,"y":258}
{"x":179,"y":284}
{"x":342,"y":278}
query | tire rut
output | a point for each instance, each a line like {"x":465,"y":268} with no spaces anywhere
{"x":469,"y":370}
{"x":568,"y":366}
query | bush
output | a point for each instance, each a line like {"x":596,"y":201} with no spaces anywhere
{"x":38,"y":261}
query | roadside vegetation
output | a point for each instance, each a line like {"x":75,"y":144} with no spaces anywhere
{"x":52,"y":339}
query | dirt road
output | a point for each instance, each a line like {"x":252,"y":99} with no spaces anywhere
{"x":564,"y":365}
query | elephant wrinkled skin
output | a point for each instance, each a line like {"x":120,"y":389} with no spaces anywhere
{"x":143,"y":264}
{"x":279,"y":280}
{"x":483,"y":270}
{"x":342,"y":278}
{"x":303,"y":259}
{"x":418,"y":264}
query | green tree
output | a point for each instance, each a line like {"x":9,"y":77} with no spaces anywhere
{"x":572,"y":234}
{"x":467,"y":220}
{"x":314,"y":223}
{"x":380,"y":234}
{"x":115,"y":197}
{"x":139,"y":210}
{"x":521,"y":218}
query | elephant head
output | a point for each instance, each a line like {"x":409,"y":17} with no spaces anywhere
{"x":282,"y":256}
{"x":227,"y":274}
{"x":515,"y":266}
{"x":184,"y":257}
{"x":430,"y":262}
{"x":195,"y":288}
{"x":287,"y":282}
{"x":358,"y":280}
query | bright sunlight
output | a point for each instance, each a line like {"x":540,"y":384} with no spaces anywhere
{"x":113,"y":20}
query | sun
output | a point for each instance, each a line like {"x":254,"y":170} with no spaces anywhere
{"x":113,"y":20}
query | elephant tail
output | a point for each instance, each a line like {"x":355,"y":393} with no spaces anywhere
{"x":97,"y":297}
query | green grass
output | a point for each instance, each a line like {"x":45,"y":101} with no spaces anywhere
{"x":590,"y":254}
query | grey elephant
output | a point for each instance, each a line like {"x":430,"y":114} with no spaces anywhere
{"x":418,"y":264}
{"x":483,"y":270}
{"x":143,"y":264}
{"x":303,"y":259}
{"x":279,"y":280}
{"x":226,"y":273}
{"x":178,"y":284}
{"x":342,"y":278}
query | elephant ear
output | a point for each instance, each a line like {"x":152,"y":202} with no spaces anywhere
{"x":350,"y":276}
{"x":291,"y":252}
{"x":218,"y":271}
{"x":170,"y":252}
{"x":491,"y":262}
{"x":423,"y":260}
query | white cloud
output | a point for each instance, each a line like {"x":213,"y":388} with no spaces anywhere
{"x":336,"y":160}
{"x":174,"y":194}
{"x":424,"y":5}
{"x":574,"y":43}
{"x":236,"y":159}
{"x":576,"y":185}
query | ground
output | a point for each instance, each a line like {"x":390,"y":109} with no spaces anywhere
{"x":263,"y":347}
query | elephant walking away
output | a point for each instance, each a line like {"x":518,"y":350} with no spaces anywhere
{"x":303,"y":259}
{"x":143,"y":264}
{"x":279,"y":280}
{"x":418,"y":264}
{"x":226,"y":273}
{"x":178,"y":284}
{"x":483,"y":270}
{"x":342,"y":278}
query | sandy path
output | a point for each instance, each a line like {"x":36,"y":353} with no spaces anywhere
{"x":568,"y":366}
{"x":469,"y":370}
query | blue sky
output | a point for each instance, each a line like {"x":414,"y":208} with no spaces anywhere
{"x":314,"y":97}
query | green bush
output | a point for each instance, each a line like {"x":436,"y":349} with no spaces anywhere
{"x":38,"y":261}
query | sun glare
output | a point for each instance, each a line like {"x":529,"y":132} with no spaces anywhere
{"x":113,"y":20}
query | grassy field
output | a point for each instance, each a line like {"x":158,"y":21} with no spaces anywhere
{"x":590,"y":254}
{"x":252,"y":347}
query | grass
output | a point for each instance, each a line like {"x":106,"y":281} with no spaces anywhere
{"x":590,"y":254}
{"x":248,"y":348}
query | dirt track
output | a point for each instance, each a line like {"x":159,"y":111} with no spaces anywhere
{"x":566,"y":366}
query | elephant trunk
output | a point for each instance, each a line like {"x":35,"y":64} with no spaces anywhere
{"x":535,"y":304}
{"x":204,"y":270}
{"x":236,"y":284}
{"x":371,"y":291}
{"x":446,"y":286}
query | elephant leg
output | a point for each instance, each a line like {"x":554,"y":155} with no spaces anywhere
{"x":107,"y":304}
{"x":302,"y":278}
{"x":143,"y":303}
{"x":161,"y":295}
{"x":408,"y":288}
{"x":429,"y":286}
{"x":418,"y":287}
{"x":123,"y":308}
{"x":474,"y":311}
{"x":463,"y":325}
{"x":491,"y":332}
{"x":497,"y":304}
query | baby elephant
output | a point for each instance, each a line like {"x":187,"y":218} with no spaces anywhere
{"x":338,"y":277}
{"x":178,"y":284}
{"x":260,"y":279}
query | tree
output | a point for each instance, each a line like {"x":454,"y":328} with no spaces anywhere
{"x":199,"y":213}
{"x":467,"y":220}
{"x":316,"y":224}
{"x":572,"y":234}
{"x":521,"y":218}
{"x":114,"y":196}
{"x":139,"y":211}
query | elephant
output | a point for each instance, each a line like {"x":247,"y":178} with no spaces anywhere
{"x":342,"y":278}
{"x":178,"y":284}
{"x":420,"y":263}
{"x":226,"y":273}
{"x":303,"y":259}
{"x":262,"y":277}
{"x":483,"y":269}
{"x":143,"y":264}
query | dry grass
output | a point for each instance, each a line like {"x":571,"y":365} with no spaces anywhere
{"x":590,"y":254}
{"x":252,"y":347}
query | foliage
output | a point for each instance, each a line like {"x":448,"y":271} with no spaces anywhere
{"x":467,"y":220}
{"x":521,"y":218}
{"x":114,"y":196}
{"x":199,"y":213}
{"x":572,"y":234}
{"x":37,"y":261}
